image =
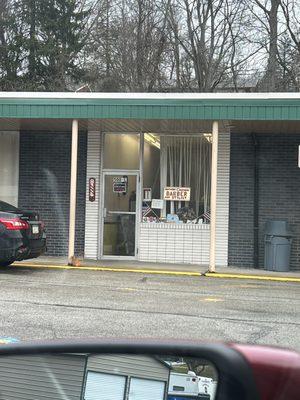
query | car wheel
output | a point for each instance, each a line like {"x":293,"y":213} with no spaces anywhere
{"x":6,"y":263}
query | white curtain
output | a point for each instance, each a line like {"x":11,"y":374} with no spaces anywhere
{"x":186,"y":162}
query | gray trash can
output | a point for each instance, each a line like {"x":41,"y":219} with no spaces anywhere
{"x":278,"y":241}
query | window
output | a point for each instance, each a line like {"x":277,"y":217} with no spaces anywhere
{"x":121,"y":151}
{"x":9,"y":167}
{"x":178,"y":388}
{"x":5,"y":207}
{"x":104,"y":386}
{"x":178,"y":161}
{"x":146,"y":389}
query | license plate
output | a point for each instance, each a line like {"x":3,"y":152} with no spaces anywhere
{"x":35,"y":229}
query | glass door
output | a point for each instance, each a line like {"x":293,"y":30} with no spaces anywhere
{"x":119,"y":214}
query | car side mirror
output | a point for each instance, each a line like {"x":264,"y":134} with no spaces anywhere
{"x":124,"y":370}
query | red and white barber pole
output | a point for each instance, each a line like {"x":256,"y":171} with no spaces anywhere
{"x":92,"y":189}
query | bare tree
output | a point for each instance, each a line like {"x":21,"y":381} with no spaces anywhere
{"x":149,"y":23}
{"x":289,"y":44}
{"x":175,"y":49}
{"x":266,"y":13}
{"x":150,"y":45}
{"x":132,"y":45}
{"x":209,"y":35}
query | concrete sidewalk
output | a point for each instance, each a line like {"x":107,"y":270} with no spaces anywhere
{"x":160,"y":268}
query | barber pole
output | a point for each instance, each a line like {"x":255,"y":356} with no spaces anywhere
{"x":92,"y":189}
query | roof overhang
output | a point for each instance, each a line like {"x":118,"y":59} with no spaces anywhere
{"x":195,"y":106}
{"x":113,"y":125}
{"x":150,"y":112}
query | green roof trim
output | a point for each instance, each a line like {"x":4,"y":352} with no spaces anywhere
{"x":164,"y":108}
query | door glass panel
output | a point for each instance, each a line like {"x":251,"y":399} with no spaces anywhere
{"x":121,"y":151}
{"x":119,"y":215}
{"x":120,"y":193}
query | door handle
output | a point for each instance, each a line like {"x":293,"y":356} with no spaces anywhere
{"x":104,"y":213}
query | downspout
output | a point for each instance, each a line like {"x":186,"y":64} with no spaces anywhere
{"x":256,"y":203}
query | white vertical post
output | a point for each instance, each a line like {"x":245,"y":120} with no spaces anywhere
{"x":141,"y":186}
{"x":73,"y":184}
{"x":163,"y":172}
{"x":140,"y":197}
{"x":213,"y":196}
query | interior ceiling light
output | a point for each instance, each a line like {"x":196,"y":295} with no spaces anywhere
{"x":152,"y":139}
{"x":208,"y":137}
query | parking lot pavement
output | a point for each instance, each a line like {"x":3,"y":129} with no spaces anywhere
{"x":48,"y":303}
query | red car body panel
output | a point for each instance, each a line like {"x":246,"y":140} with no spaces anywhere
{"x":276,"y":371}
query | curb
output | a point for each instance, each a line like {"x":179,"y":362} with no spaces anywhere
{"x":253,"y":277}
{"x":163,"y":272}
{"x":109,"y":269}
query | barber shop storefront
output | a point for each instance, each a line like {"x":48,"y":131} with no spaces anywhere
{"x":153,"y":196}
{"x":168,"y":178}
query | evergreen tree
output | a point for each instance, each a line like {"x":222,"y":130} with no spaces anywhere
{"x":41,"y":41}
{"x":62,"y":38}
{"x":12,"y":57}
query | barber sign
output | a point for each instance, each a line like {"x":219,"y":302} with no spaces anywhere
{"x":177,"y":193}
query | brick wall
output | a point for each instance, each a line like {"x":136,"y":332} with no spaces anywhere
{"x":44,"y":185}
{"x":241,"y":196}
{"x":279,"y":193}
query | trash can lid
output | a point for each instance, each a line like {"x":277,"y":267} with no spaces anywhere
{"x":278,"y":228}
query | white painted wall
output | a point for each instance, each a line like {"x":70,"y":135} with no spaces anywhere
{"x":174,"y":243}
{"x":92,"y":214}
{"x":222,"y":217}
{"x":9,"y":167}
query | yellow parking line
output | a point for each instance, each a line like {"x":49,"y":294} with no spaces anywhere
{"x":164,"y":272}
{"x":212,"y":299}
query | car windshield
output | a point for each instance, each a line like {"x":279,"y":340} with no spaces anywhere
{"x":151,"y":152}
{"x":6,"y":207}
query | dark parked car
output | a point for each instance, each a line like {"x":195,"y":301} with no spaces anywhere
{"x":22,"y":234}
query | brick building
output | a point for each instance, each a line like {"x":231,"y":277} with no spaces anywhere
{"x":131,"y":148}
